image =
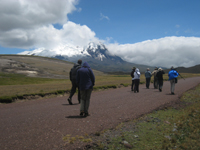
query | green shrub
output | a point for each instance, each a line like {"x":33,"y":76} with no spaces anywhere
{"x":6,"y":99}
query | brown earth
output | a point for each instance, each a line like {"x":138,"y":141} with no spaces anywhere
{"x":41,"y":124}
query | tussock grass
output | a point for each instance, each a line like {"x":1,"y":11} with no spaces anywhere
{"x":71,"y":140}
{"x":16,"y":86}
{"x":177,"y":127}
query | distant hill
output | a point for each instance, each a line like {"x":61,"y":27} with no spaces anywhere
{"x":194,"y":69}
{"x":37,"y":66}
{"x":45,"y":67}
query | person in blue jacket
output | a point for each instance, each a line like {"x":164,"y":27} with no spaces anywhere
{"x":173,"y":74}
{"x":85,"y":79}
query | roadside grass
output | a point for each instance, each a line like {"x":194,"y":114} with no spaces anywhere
{"x":176,"y":127}
{"x":17,"y":86}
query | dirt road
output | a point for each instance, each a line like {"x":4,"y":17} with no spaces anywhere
{"x":41,"y":124}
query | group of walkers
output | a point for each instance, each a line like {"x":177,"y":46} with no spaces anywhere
{"x":158,"y":78}
{"x":82,"y":77}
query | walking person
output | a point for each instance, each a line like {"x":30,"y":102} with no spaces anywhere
{"x":136,"y":80}
{"x":159,"y":76}
{"x":148,"y":78}
{"x":72,"y":76}
{"x":173,"y":74}
{"x":132,"y":75}
{"x":155,"y":82}
{"x":85,"y":80}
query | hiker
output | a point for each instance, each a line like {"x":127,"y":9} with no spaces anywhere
{"x":132,"y":75}
{"x":159,"y":76}
{"x":155,"y":82}
{"x":85,"y":80}
{"x":136,"y":80}
{"x":72,"y":76}
{"x":173,"y":74}
{"x":148,"y":78}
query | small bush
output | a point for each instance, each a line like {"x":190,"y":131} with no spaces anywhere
{"x":6,"y":99}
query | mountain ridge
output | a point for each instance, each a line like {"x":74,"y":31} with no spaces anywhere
{"x":96,"y":54}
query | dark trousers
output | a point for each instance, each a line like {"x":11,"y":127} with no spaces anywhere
{"x":160,"y":84}
{"x":85,"y":100}
{"x":148,"y":82}
{"x":137,"y":82}
{"x":132,"y":85}
{"x":155,"y":83}
{"x":73,"y":90}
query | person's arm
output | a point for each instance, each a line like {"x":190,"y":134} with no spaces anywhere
{"x":92,"y":77}
{"x":70,"y":75}
{"x":77,"y":77}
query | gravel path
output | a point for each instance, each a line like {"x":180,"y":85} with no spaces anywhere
{"x":41,"y":124}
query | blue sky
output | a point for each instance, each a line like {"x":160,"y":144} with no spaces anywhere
{"x":132,"y":21}
{"x":129,"y":28}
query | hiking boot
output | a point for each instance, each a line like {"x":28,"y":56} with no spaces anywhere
{"x":69,"y":100}
{"x":81,"y":114}
{"x":86,"y":114}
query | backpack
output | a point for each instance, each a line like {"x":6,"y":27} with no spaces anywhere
{"x":74,"y":71}
{"x":176,"y":80}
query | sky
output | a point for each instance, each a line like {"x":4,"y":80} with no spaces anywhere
{"x":150,"y":32}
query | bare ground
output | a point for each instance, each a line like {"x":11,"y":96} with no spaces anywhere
{"x":41,"y":124}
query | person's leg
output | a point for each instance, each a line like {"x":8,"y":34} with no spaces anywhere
{"x":79,"y":95}
{"x":73,"y":89}
{"x":87,"y":103}
{"x":83,"y":99}
{"x":172,"y":85}
{"x":147,"y":82}
{"x":136,"y":85}
{"x":161,"y":85}
{"x":156,"y":83}
{"x":132,"y":85}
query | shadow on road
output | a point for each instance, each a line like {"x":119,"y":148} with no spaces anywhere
{"x":69,"y":104}
{"x":75,"y":117}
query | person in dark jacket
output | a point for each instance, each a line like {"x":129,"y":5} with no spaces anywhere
{"x":159,"y":76}
{"x":148,"y":78}
{"x":85,"y":80}
{"x":72,"y":76}
{"x":132,"y":75}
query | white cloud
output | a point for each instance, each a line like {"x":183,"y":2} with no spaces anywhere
{"x":166,"y":52}
{"x":104,"y":17}
{"x":29,"y":24}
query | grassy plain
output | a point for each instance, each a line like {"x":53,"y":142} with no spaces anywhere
{"x":175,"y":127}
{"x":14,"y":86}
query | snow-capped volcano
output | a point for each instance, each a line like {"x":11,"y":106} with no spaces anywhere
{"x":66,"y":50}
{"x":97,"y":51}
{"x":96,"y":54}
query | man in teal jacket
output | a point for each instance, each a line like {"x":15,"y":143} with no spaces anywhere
{"x":173,"y":74}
